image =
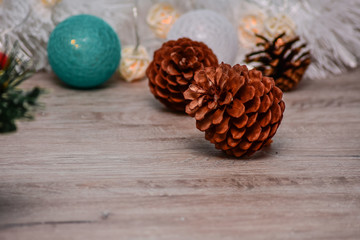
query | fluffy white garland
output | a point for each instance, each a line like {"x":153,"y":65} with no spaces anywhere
{"x":332,"y":30}
{"x":330,"y":27}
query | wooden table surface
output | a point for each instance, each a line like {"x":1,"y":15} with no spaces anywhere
{"x":113,"y":163}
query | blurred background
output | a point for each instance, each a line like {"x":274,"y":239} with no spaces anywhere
{"x":330,"y":28}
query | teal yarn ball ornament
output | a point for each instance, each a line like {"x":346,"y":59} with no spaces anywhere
{"x":84,"y":51}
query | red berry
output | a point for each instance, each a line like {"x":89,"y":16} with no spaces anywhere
{"x":3,"y":60}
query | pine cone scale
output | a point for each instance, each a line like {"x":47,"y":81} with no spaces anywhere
{"x":246,"y":93}
{"x":265,"y":120}
{"x":173,"y":89}
{"x":200,"y":114}
{"x":168,"y":67}
{"x":232,"y":142}
{"x":264,"y":133}
{"x":236,"y":109}
{"x":241,"y":121}
{"x":219,"y":137}
{"x":171,"y":80}
{"x":276,"y":114}
{"x":253,"y":105}
{"x":237,"y":133}
{"x":268,"y":84}
{"x":177,"y":98}
{"x":217,"y":117}
{"x":204,"y":124}
{"x":160,"y":82}
{"x":244,"y":145}
{"x":223,"y":127}
{"x":188,"y":75}
{"x":253,"y":133}
{"x":273,"y":130}
{"x":252,"y":119}
{"x":265,"y":104}
{"x":161,"y":92}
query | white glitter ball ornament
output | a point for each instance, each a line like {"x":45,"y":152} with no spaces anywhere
{"x":133,"y":64}
{"x":211,"y":28}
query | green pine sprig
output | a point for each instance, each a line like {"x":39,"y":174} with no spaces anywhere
{"x":15,"y":103}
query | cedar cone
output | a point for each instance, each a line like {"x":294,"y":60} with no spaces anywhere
{"x":239,"y":110}
{"x":173,"y":68}
{"x":277,"y":61}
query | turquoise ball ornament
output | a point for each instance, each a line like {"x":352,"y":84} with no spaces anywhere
{"x":84,"y":51}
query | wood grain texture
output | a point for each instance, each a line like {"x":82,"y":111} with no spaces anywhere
{"x":112,"y":163}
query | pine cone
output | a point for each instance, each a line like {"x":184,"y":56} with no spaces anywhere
{"x":239,"y":110}
{"x":173,"y":68}
{"x":277,"y":61}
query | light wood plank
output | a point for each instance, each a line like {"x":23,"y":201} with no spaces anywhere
{"x":112,"y":163}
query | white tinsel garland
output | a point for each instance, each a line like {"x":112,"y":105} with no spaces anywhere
{"x":331,"y":28}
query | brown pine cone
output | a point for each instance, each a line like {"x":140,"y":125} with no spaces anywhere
{"x":239,"y":110}
{"x":281,"y":60}
{"x":173,"y":68}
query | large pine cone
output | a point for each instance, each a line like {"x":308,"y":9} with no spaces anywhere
{"x":239,"y":110}
{"x":173,"y":68}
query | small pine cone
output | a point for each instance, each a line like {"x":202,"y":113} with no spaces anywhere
{"x":239,"y":110}
{"x":282,"y":61}
{"x":173,"y":68}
